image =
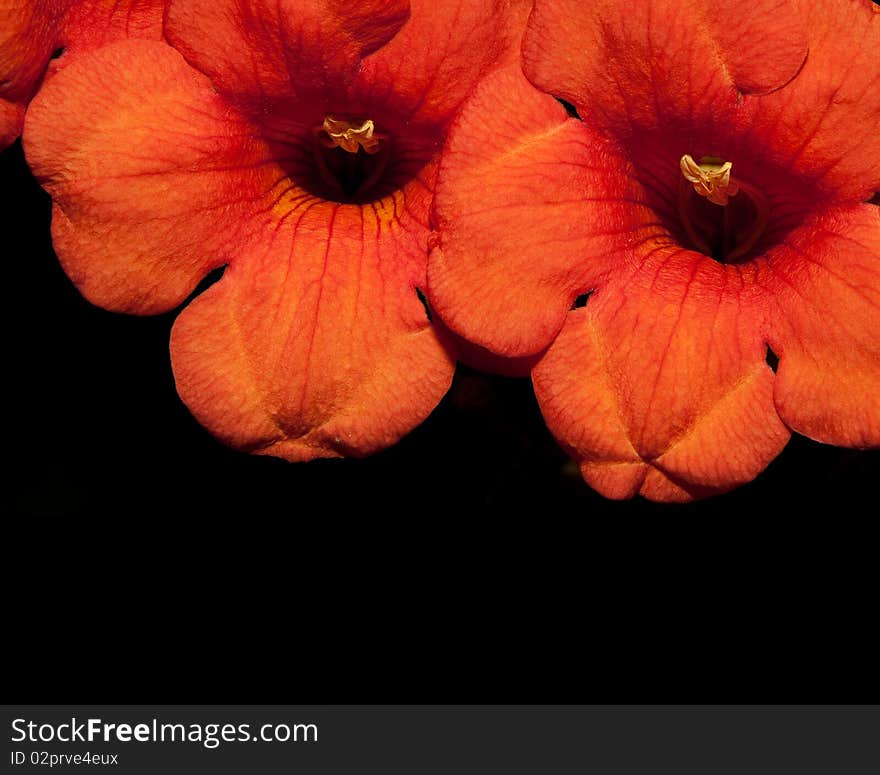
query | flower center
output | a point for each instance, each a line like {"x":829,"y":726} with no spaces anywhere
{"x":716,"y":221}
{"x":711,"y":178}
{"x":351,"y":136}
{"x":347,"y":173}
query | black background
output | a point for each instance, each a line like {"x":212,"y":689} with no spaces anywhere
{"x":467,"y":563}
{"x":94,"y":426}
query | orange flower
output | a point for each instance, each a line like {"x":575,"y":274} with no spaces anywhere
{"x":32,"y":30}
{"x":295,"y":141}
{"x":709,"y":215}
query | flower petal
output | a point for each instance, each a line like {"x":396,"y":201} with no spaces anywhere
{"x":143,"y":163}
{"x":661,"y":62}
{"x":11,"y":121}
{"x":659,"y":385}
{"x":824,"y":125}
{"x":30,"y":31}
{"x":481,"y":359}
{"x":826,"y":281}
{"x":94,"y":23}
{"x":763,"y":43}
{"x":264,"y":52}
{"x":439,"y":55}
{"x":315,"y":343}
{"x":532,"y":209}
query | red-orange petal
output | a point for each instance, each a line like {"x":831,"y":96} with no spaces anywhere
{"x":315,"y":343}
{"x":11,"y":122}
{"x":31,"y":30}
{"x":266,"y":52}
{"x":93,"y":23}
{"x":28,"y":31}
{"x":484,"y":360}
{"x":657,"y":63}
{"x":825,"y":279}
{"x":659,"y":385}
{"x":149,"y":172}
{"x":824,"y":125}
{"x":762,"y":43}
{"x":424,"y":73}
{"x":532,"y":209}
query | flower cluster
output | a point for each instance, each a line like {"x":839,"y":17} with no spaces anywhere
{"x":660,"y":210}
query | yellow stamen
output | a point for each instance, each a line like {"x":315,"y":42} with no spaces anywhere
{"x":711,"y":178}
{"x":350,"y":136}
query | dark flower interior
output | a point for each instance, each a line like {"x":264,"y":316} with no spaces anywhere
{"x":772,"y":200}
{"x":326,"y":171}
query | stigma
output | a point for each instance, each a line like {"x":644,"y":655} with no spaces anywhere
{"x":710,"y":178}
{"x":350,"y":135}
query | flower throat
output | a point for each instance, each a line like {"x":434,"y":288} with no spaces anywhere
{"x":721,"y":217}
{"x":351,"y":156}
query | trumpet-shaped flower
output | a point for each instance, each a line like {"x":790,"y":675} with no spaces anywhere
{"x":697,"y":260}
{"x":295,"y":141}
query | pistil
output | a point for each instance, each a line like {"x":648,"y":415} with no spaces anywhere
{"x":351,"y":136}
{"x":711,"y":178}
{"x":347,"y":173}
{"x":725,"y":236}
